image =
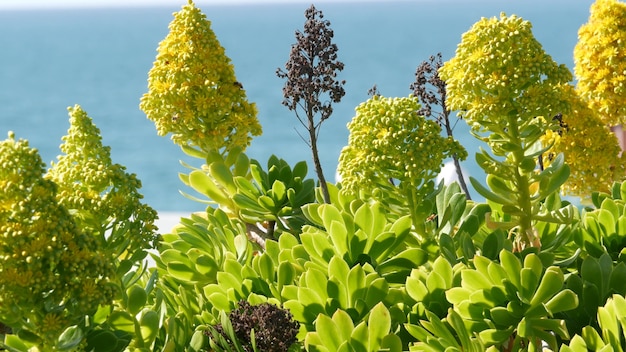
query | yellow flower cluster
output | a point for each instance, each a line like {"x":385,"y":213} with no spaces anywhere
{"x":192,"y":89}
{"x":590,"y":148}
{"x":45,"y":260}
{"x":500,"y":70}
{"x":600,"y":60}
{"x":390,"y":140}
{"x":103,"y":194}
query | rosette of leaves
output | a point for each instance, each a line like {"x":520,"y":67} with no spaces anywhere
{"x":502,"y":82}
{"x":192,"y":90}
{"x":339,"y":333}
{"x":52,"y":274}
{"x":594,"y":281}
{"x":603,"y":228}
{"x":268,"y":201}
{"x":600,"y":60}
{"x":609,"y":335}
{"x":390,"y":142}
{"x":510,"y":304}
{"x":103,"y":197}
{"x":205,"y":267}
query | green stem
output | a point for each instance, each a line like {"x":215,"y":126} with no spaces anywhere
{"x":411,"y":195}
{"x":522,"y":185}
{"x":138,"y":336}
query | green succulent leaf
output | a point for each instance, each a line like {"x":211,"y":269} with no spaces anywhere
{"x":202,"y":183}
{"x":562,"y":301}
{"x":551,"y":283}
{"x":379,"y":323}
{"x":488,"y":194}
{"x":328,"y":332}
{"x":149,"y":326}
{"x":70,"y":338}
{"x":137,"y":298}
{"x":122,"y":321}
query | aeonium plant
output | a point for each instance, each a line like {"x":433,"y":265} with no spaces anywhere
{"x":52,"y":272}
{"x":104,"y":197}
{"x":600,"y":61}
{"x":391,"y":146}
{"x":192,"y":89}
{"x":508,"y":89}
{"x":590,"y":148}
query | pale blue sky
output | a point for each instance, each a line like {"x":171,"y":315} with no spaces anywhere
{"x":47,"y":4}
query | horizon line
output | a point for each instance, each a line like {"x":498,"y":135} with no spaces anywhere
{"x":81,"y":4}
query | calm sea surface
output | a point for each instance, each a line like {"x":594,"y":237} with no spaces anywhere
{"x":99,"y":58}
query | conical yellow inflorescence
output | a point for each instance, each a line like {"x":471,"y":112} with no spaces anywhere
{"x":500,"y":70}
{"x":600,"y":61}
{"x":102,"y":193}
{"x":192,"y":90}
{"x":590,"y":148}
{"x":46,"y":261}
{"x":390,"y":140}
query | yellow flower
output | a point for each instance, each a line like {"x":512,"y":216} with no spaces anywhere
{"x":53,"y":324}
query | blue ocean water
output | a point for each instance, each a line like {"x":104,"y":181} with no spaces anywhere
{"x":99,"y":58}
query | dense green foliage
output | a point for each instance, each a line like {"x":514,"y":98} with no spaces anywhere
{"x":387,"y":261}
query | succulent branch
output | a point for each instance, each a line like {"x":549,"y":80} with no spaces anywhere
{"x":311,"y":80}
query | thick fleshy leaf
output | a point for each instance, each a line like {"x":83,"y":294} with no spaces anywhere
{"x":241,"y":166}
{"x":379,"y":323}
{"x":181,"y":271}
{"x":593,"y":340}
{"x":137,"y":298}
{"x":501,"y":187}
{"x":339,"y":235}
{"x":223,"y":176}
{"x":122,"y":321}
{"x":503,"y":317}
{"x":474,"y":280}
{"x":494,"y":336}
{"x":286,"y":274}
{"x":300,"y":170}
{"x":551,"y":283}
{"x":70,"y":338}
{"x":528,"y":285}
{"x":416,"y":289}
{"x":356,"y":284}
{"x":562,"y":301}
{"x":405,"y":261}
{"x":512,"y":265}
{"x":456,"y":295}
{"x":101,"y":341}
{"x":278,"y":192}
{"x":488,"y":194}
{"x":202,"y":183}
{"x":316,"y":280}
{"x":149,"y":326}
{"x":344,"y":324}
{"x":328,"y":332}
{"x":359,"y":338}
{"x":376,"y":292}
